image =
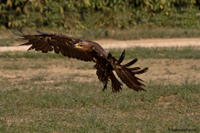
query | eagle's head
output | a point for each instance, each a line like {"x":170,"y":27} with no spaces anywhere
{"x":84,"y":46}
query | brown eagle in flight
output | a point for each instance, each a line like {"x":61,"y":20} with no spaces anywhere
{"x":88,"y":51}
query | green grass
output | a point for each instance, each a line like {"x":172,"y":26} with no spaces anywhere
{"x":139,"y":52}
{"x":39,"y":77}
{"x":161,"y":53}
{"x":132,"y":34}
{"x":6,"y":41}
{"x":8,"y":38}
{"x":84,"y":107}
{"x":30,"y":54}
{"x":35,"y":99}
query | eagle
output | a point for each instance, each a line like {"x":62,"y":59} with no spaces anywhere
{"x":89,"y":51}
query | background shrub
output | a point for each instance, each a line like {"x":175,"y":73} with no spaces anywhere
{"x":81,"y":14}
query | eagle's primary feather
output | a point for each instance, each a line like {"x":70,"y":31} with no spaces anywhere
{"x":88,"y":51}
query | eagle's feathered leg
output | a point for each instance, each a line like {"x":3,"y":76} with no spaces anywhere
{"x":105,"y":75}
{"x":102,"y":75}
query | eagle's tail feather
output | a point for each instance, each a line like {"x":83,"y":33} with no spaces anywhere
{"x":130,"y":63}
{"x":116,"y":85}
{"x":127,"y":75}
{"x":121,"y":57}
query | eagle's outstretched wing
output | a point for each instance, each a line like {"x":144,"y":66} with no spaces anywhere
{"x":46,"y":42}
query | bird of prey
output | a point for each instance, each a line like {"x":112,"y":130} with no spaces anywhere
{"x":92,"y":52}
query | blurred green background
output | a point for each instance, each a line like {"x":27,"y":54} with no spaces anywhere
{"x":85,"y":14}
{"x":96,"y":19}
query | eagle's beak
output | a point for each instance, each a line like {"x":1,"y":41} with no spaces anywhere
{"x":77,"y":46}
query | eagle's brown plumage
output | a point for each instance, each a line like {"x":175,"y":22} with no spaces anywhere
{"x":88,"y":51}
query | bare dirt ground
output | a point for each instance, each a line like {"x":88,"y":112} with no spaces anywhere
{"x":110,"y":44}
{"x":160,"y":70}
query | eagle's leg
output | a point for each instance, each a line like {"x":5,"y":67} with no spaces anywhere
{"x":105,"y":84}
{"x":105,"y":76}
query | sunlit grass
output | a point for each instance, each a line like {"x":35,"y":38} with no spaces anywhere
{"x":139,"y":52}
{"x":84,"y":107}
{"x":161,"y":53}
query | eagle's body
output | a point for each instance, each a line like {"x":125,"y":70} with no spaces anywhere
{"x":88,"y":51}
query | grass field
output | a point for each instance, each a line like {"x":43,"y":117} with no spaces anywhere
{"x":51,"y":93}
{"x":7,"y":38}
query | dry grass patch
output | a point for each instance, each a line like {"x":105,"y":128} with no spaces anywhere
{"x":53,"y":71}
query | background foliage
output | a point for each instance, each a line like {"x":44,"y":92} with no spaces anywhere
{"x":82,"y":14}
